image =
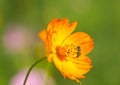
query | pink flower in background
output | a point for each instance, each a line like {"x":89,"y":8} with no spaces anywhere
{"x":16,"y":38}
{"x":36,"y":77}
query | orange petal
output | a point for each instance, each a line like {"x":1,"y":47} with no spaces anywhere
{"x":60,"y":29}
{"x":82,"y":62}
{"x":81,"y":39}
{"x":72,"y":68}
{"x":43,"y":35}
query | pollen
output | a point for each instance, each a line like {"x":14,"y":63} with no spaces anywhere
{"x":67,"y":51}
{"x":71,"y":50}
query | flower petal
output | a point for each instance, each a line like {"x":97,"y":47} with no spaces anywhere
{"x":61,"y":28}
{"x":43,"y":35}
{"x":73,"y":68}
{"x":80,"y":39}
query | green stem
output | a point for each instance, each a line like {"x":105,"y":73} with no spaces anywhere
{"x":25,"y":80}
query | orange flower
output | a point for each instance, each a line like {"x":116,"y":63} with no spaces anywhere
{"x":68,"y":51}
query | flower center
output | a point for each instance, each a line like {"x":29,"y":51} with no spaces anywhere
{"x":68,"y":51}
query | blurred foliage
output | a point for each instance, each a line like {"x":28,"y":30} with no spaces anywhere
{"x":99,"y":18}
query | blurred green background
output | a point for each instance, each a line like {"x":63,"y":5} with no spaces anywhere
{"x":99,"y":18}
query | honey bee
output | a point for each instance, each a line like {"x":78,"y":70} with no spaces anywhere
{"x":78,"y":51}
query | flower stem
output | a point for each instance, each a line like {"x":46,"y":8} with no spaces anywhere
{"x":25,"y":80}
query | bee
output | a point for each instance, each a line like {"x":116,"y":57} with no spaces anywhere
{"x":78,"y":51}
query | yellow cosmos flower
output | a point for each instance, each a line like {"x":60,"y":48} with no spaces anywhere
{"x":67,"y":51}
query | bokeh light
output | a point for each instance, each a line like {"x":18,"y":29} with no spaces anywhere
{"x":36,"y":77}
{"x":15,"y":38}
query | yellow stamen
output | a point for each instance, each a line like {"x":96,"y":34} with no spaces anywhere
{"x":67,"y":51}
{"x":71,"y":50}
